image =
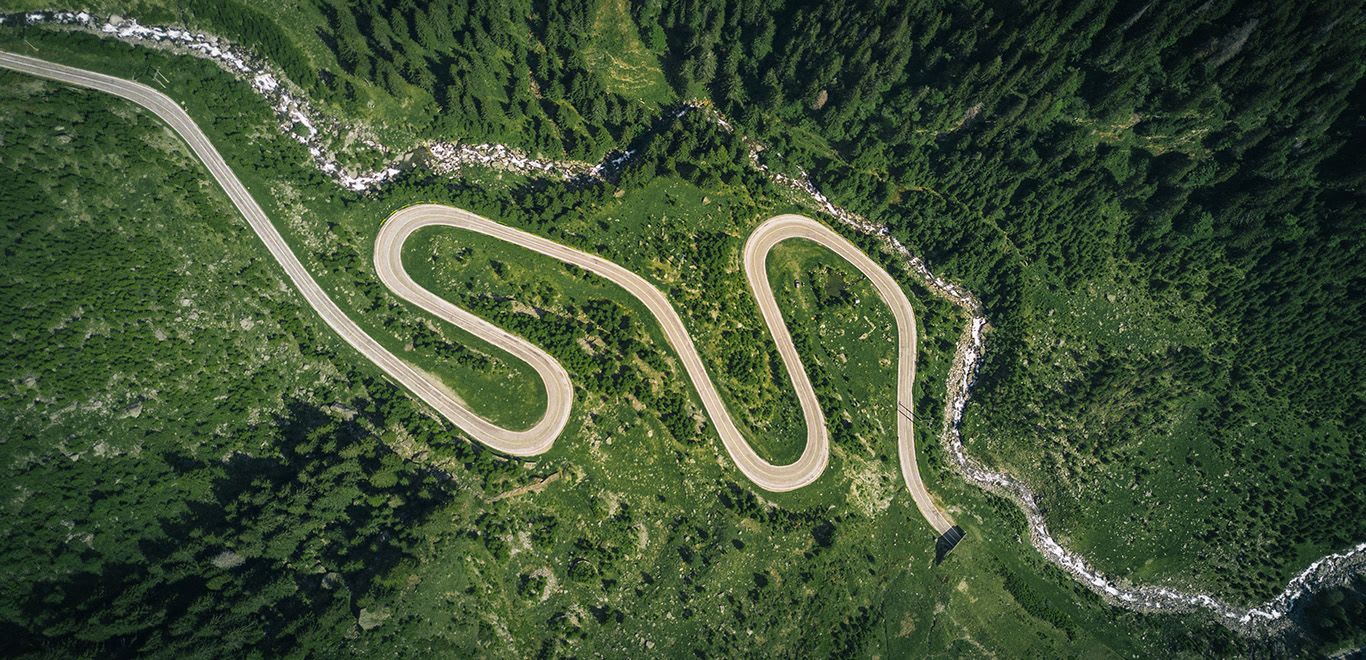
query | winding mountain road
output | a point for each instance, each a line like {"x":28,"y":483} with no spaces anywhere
{"x":559,"y":390}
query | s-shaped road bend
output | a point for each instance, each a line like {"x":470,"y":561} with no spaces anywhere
{"x":559,"y":390}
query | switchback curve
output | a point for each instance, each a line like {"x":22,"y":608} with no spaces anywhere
{"x":559,"y":392}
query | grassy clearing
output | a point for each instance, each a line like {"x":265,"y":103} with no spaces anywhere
{"x":617,"y":54}
{"x":688,"y":242}
{"x":649,"y":544}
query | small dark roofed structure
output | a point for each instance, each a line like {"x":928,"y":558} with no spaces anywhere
{"x":947,"y":542}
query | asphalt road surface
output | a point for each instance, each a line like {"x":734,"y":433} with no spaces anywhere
{"x":559,"y":390}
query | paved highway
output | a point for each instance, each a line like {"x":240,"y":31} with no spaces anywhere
{"x":559,"y":390}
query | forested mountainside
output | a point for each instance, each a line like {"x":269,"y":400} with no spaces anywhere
{"x":561,"y":78}
{"x":199,"y":467}
{"x":1159,"y":204}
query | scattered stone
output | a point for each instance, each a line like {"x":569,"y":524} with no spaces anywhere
{"x":821,"y":98}
{"x":338,"y":410}
{"x":228,"y":559}
{"x":370,"y":620}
